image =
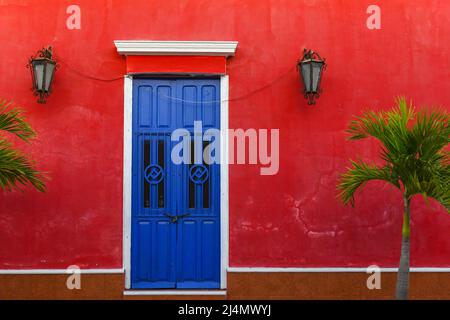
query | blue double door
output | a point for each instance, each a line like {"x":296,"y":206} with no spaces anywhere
{"x":175,"y":235}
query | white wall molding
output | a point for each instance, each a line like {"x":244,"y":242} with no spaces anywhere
{"x":179,"y":48}
{"x":231,"y":270}
{"x":127,"y":160}
{"x":224,"y":183}
{"x":306,"y":270}
{"x":60,"y":271}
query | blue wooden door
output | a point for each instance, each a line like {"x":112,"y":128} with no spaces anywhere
{"x":175,"y":240}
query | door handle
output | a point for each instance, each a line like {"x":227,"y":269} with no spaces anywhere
{"x":174,"y":219}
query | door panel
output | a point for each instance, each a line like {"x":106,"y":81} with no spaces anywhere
{"x":154,"y":242}
{"x":153,"y":236}
{"x":198,"y":262}
{"x":175,"y":208}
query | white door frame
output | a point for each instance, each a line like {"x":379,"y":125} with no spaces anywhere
{"x":127,"y":176}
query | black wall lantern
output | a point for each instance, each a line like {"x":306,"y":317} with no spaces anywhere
{"x":42,"y":68}
{"x":310,"y":68}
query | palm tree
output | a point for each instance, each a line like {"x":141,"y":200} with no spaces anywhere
{"x":415,"y":162}
{"x":15,"y":167}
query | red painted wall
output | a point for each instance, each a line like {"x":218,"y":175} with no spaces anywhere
{"x":176,"y":64}
{"x":290,"y":219}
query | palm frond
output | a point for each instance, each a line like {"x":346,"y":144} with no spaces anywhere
{"x":12,"y":121}
{"x":412,"y":146}
{"x":369,"y":124}
{"x":17,"y":169}
{"x":438,"y":186}
{"x":358,"y":175}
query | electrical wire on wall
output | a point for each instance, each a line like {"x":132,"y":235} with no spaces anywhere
{"x":81,"y":74}
{"x":244,"y":96}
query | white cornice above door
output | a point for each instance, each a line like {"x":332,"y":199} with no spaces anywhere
{"x":183,"y":48}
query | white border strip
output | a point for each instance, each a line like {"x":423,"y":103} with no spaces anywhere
{"x":127,"y":158}
{"x":224,"y":187}
{"x":174,"y":292}
{"x":224,"y":241}
{"x":60,"y":271}
{"x":179,"y":48}
{"x":261,"y":269}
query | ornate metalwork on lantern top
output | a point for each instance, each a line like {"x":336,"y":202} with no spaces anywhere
{"x":42,"y":67}
{"x":310,"y":68}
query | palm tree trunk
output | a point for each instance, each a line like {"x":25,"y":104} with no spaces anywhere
{"x":403,"y":270}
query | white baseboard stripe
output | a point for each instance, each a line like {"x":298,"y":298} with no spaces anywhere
{"x":174,"y":292}
{"x":230,"y":269}
{"x":59,"y":271}
{"x":264,"y":269}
